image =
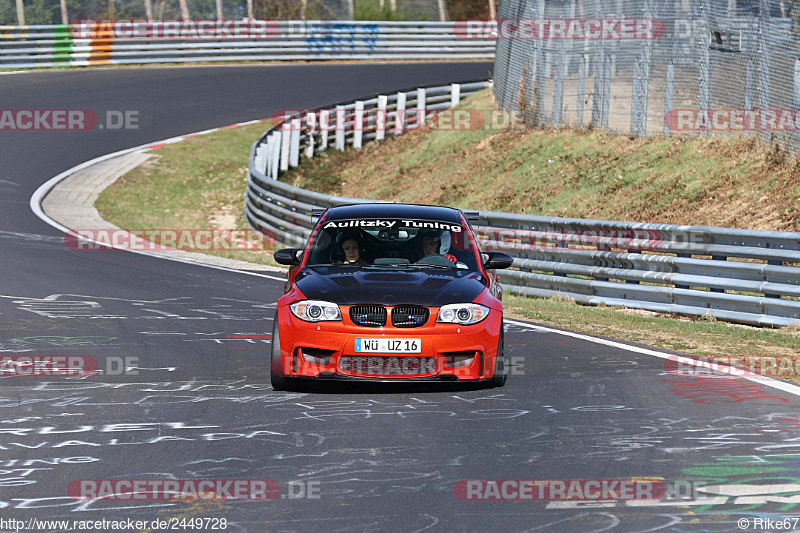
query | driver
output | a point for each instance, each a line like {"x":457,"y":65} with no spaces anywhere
{"x":432,"y":244}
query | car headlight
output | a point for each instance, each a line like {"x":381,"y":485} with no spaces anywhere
{"x":462,"y":313}
{"x":315,"y":310}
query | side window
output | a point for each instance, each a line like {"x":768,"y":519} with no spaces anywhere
{"x":320,"y":249}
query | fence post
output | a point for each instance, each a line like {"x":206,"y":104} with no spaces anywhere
{"x":636,"y":97}
{"x":455,"y":94}
{"x":669,"y":92}
{"x":340,"y":128}
{"x":541,"y":83}
{"x":597,"y":90}
{"x":748,"y":95}
{"x":380,"y":126}
{"x":324,"y":126}
{"x":639,"y":95}
{"x":401,"y":113}
{"x":763,"y":68}
{"x":358,"y":126}
{"x":795,"y":102}
{"x":607,"y":89}
{"x":420,"y":107}
{"x":294,"y":143}
{"x":558,"y":86}
{"x":705,"y":88}
{"x":583,"y":68}
{"x":311,"y":126}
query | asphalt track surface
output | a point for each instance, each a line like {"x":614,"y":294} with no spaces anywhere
{"x":381,"y":459}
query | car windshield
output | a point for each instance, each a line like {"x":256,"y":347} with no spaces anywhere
{"x":393,"y":244}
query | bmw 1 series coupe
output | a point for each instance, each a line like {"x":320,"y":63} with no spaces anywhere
{"x":390,"y":292}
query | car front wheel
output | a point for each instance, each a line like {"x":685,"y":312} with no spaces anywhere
{"x":500,"y":375}
{"x":276,"y":364}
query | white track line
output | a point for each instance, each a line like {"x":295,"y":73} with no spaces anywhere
{"x":732,"y":370}
{"x":41,"y":192}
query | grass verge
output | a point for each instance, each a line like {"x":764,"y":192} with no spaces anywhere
{"x":193,"y":184}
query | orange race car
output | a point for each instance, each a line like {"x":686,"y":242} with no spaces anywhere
{"x":390,"y":292}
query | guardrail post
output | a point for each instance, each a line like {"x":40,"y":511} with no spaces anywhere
{"x":358,"y":126}
{"x":294,"y":143}
{"x":276,"y":154}
{"x":340,"y":128}
{"x":669,"y":92}
{"x":455,"y":94}
{"x":311,"y":126}
{"x":380,"y":126}
{"x":285,"y":138}
{"x":401,"y":113}
{"x":420,"y":107}
{"x":272,"y":155}
{"x":268,"y":156}
{"x":259,"y":160}
{"x":324,"y":126}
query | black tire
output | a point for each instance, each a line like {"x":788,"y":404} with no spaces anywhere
{"x":500,"y":375}
{"x":277,"y":378}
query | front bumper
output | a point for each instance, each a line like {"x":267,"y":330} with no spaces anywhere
{"x":448,"y":352}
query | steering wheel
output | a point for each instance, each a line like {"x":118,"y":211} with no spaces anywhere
{"x":436,"y":259}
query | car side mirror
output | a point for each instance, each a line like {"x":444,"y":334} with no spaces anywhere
{"x":288,"y":256}
{"x":497,"y":260}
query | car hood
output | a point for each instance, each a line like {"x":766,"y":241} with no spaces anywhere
{"x":428,"y":287}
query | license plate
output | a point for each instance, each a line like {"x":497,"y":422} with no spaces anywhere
{"x":387,"y":345}
{"x":376,"y":365}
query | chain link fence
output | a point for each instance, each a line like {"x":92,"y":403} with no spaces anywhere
{"x":644,"y":67}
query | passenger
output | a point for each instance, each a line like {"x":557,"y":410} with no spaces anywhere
{"x":351,"y":247}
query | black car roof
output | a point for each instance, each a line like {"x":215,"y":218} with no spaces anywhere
{"x":392,"y":210}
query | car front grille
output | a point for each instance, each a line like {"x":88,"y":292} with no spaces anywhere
{"x":409,"y":316}
{"x":387,"y":366}
{"x":373,"y":316}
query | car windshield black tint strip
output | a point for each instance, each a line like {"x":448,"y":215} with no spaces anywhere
{"x":375,"y":241}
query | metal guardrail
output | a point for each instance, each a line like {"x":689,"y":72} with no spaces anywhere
{"x":734,"y":275}
{"x":155,"y":42}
